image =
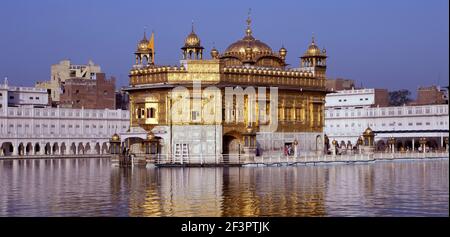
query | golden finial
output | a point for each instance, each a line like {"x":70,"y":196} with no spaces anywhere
{"x":145,"y":32}
{"x":313,"y":39}
{"x":283,"y":51}
{"x":249,"y":21}
{"x":214,"y":52}
{"x":192,"y":26}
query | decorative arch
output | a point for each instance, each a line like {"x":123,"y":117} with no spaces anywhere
{"x":80,"y":149}
{"x":381,"y":145}
{"x":55,"y":149}
{"x":73,"y":148}
{"x":87,"y":148}
{"x":105,"y":148}
{"x":48,"y":149}
{"x":62,"y":149}
{"x":37,"y":148}
{"x":29,"y":149}
{"x":135,"y":144}
{"x":97,"y":148}
{"x":232,"y":143}
{"x":7,"y":148}
{"x":21,"y":149}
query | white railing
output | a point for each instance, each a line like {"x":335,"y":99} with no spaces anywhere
{"x":242,"y":159}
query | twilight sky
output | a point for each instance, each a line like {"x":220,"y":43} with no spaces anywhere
{"x":384,"y":43}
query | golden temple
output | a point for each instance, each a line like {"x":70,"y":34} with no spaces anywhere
{"x":176,"y":103}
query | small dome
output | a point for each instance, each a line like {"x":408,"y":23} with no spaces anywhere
{"x":115,"y":137}
{"x":214,"y":53}
{"x":283,"y":52}
{"x":368,"y":131}
{"x":314,"y":50}
{"x":248,"y":41}
{"x":192,"y":40}
{"x":150,"y":136}
{"x":143,"y":44}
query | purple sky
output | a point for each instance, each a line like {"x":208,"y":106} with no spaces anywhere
{"x":385,"y":43}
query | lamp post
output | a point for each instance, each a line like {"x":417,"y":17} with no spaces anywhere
{"x":360,"y":143}
{"x":334,"y":147}
{"x":422,"y":142}
{"x":115,"y":150}
{"x":115,"y":144}
{"x":391,"y":142}
{"x":368,"y":136}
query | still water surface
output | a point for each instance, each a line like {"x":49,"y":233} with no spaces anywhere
{"x":91,"y":187}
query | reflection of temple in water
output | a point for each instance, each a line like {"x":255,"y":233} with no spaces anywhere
{"x":32,"y":187}
{"x":284,"y":191}
{"x":275,"y":191}
{"x":170,"y":191}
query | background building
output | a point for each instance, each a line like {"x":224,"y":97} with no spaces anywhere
{"x":65,"y":70}
{"x":35,"y":129}
{"x":340,"y":84}
{"x":358,"y":98}
{"x":89,"y":94}
{"x":348,"y":113}
{"x":431,"y":95}
{"x":29,"y":97}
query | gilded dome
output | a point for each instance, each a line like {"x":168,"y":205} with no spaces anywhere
{"x":368,"y":131}
{"x":283,"y":52}
{"x":314,"y":50}
{"x":248,"y":41}
{"x":192,"y":40}
{"x":143,"y":44}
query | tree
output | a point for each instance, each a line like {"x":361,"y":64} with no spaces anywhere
{"x":399,"y":97}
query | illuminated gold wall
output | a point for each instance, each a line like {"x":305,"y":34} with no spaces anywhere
{"x":300,"y":95}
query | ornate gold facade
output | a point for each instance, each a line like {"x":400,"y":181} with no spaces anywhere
{"x":245,"y":63}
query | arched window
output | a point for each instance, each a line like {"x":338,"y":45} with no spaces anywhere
{"x":151,"y":112}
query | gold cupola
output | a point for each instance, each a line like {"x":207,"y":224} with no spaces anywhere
{"x":143,"y":45}
{"x":192,"y":48}
{"x":313,"y":50}
{"x":145,"y":51}
{"x":314,"y":59}
{"x":283,"y":53}
{"x":251,"y":51}
{"x":214,"y":53}
{"x":115,"y":137}
{"x":241,"y":45}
